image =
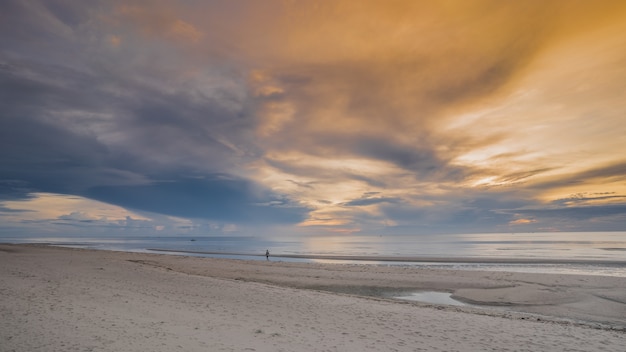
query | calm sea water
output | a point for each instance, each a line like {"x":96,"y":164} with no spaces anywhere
{"x":607,"y":249}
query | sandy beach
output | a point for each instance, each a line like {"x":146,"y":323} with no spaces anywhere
{"x":62,"y":299}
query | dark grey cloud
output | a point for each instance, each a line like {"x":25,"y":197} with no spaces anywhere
{"x":77,"y":119}
{"x":370,"y":201}
{"x":215,"y":197}
{"x":78,"y":220}
{"x":584,"y":199}
{"x":14,"y":190}
{"x":613,"y":172}
{"x":420,"y":158}
{"x":5,"y":210}
{"x":576,"y":212}
{"x":372,"y":181}
{"x":464,"y":211}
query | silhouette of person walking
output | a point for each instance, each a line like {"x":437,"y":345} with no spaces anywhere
{"x":267,"y":254}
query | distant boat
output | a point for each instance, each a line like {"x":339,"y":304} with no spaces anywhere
{"x":193,"y":240}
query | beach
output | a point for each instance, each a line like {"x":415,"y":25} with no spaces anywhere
{"x":67,"y":299}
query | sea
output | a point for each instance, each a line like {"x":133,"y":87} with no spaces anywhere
{"x":588,"y":253}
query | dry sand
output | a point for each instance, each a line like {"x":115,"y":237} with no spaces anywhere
{"x":61,"y":299}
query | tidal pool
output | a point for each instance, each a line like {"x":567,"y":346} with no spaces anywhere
{"x":432,"y":297}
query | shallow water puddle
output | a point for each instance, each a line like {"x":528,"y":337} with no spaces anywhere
{"x":432,"y":297}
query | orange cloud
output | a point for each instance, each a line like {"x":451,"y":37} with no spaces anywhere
{"x":161,"y":21}
{"x":522,"y":222}
{"x":115,"y":41}
{"x":447,"y":96}
{"x":186,"y":31}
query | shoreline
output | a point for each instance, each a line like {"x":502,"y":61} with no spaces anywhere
{"x":57,"y":297}
{"x":411,"y":259}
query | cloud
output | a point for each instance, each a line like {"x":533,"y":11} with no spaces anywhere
{"x":615,"y":172}
{"x":460,"y":115}
{"x":370,"y":201}
{"x":93,"y":130}
{"x":216,"y":197}
{"x":77,"y":216}
{"x":578,"y":213}
{"x":160,"y":21}
{"x":523,"y":221}
{"x":115,"y":41}
{"x":11,"y":210}
{"x":84,"y":222}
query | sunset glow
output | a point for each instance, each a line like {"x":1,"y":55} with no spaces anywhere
{"x":314,"y":116}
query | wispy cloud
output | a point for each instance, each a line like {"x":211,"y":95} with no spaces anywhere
{"x":403,"y":116}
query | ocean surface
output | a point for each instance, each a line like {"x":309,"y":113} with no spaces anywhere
{"x":591,"y":253}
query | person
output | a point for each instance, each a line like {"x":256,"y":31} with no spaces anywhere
{"x":267,"y":254}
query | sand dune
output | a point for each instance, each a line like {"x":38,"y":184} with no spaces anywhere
{"x":59,"y":299}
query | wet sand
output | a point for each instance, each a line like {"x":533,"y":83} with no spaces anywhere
{"x":61,"y":299}
{"x":395,"y":259}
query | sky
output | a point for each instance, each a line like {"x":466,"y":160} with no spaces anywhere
{"x":342,"y":117}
